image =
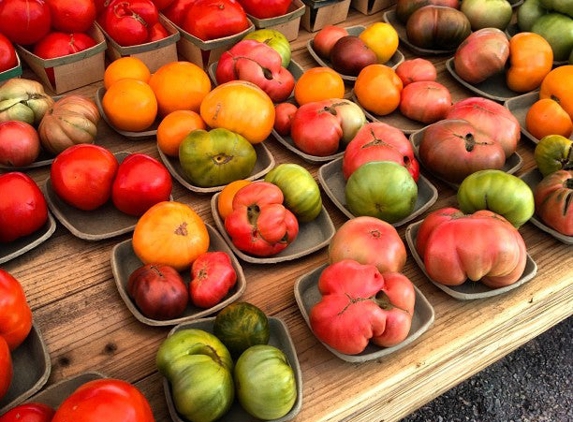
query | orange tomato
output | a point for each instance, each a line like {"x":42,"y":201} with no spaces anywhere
{"x":241,"y":107}
{"x":225,"y":198}
{"x":126,"y":67}
{"x":531,"y":59}
{"x":179,"y":85}
{"x":558,"y":84}
{"x":174,"y":127}
{"x":170,"y":233}
{"x":547,"y":117}
{"x":318,"y":83}
{"x":378,"y":88}
{"x":130,"y":105}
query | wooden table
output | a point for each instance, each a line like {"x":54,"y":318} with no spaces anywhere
{"x":86,"y":325}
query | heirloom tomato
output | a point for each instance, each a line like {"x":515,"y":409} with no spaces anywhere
{"x":199,"y":369}
{"x":212,"y":277}
{"x":126,"y":67}
{"x":378,"y":89}
{"x":72,"y":15}
{"x":19,"y":143}
{"x":318,"y":83}
{"x":497,"y":191}
{"x":482,"y":246}
{"x":141,"y":181}
{"x":25,"y":22}
{"x":359,"y":305}
{"x":29,"y":412}
{"x":274,"y":39}
{"x":552,"y":153}
{"x":260,"y":224}
{"x":417,"y":69}
{"x":558,"y":84}
{"x":300,"y":190}
{"x":546,"y":117}
{"x":23,"y":207}
{"x":284,"y":113}
{"x":158,"y":291}
{"x":58,"y":44}
{"x":241,"y":107}
{"x":130,"y":105}
{"x":265,"y":382}
{"x":437,"y":28}
{"x":325,"y":39}
{"x":405,"y":8}
{"x":6,"y":369}
{"x":127,"y":22}
{"x":425,"y":101}
{"x":15,"y":312}
{"x":554,"y":201}
{"x":382,"y":38}
{"x":213,"y":19}
{"x":530,"y":60}
{"x":170,"y":233}
{"x":109,"y":399}
{"x":225,"y":197}
{"x":83,"y":174}
{"x":265,"y":9}
{"x":370,"y":241}
{"x":487,"y":13}
{"x":174,"y":127}
{"x":8,"y":57}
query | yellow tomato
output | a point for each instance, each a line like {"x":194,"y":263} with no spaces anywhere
{"x":382,"y":38}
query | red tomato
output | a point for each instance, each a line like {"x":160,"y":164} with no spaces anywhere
{"x":106,"y":399}
{"x":29,"y":412}
{"x":265,"y":9}
{"x":177,"y":10}
{"x":6,"y":370}
{"x":58,"y":44}
{"x":15,"y":313}
{"x":83,"y":174}
{"x":212,"y":276}
{"x":316,"y":128}
{"x":141,"y":182}
{"x":157,"y":32}
{"x":284,"y":113}
{"x":162,"y":4}
{"x":8,"y":58}
{"x":212,"y":19}
{"x":24,"y":21}
{"x":72,"y":15}
{"x":127,"y":21}
{"x":19,"y":143}
{"x":425,"y":101}
{"x":23,"y":208}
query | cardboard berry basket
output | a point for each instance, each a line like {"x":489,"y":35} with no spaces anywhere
{"x":71,"y":71}
{"x":154,"y":54}
{"x":369,"y":7}
{"x":319,"y":13}
{"x":14,"y":72}
{"x":287,"y":24}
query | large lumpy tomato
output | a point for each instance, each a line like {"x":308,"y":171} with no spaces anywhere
{"x":25,"y":21}
{"x":213,"y":19}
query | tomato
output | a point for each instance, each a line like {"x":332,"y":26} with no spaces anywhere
{"x":19,"y":143}
{"x":29,"y":412}
{"x":552,"y":153}
{"x":557,"y":29}
{"x":241,"y":107}
{"x":72,"y":15}
{"x":316,"y":129}
{"x":425,"y":101}
{"x":265,"y":9}
{"x":25,"y":21}
{"x":378,"y":88}
{"x":8,"y":57}
{"x":127,"y":21}
{"x":225,"y":198}
{"x":350,"y":55}
{"x":318,"y":83}
{"x":6,"y":369}
{"x":216,"y":157}
{"x":325,"y":39}
{"x":15,"y":315}
{"x":274,"y":39}
{"x":496,"y":255}
{"x":265,"y":382}
{"x":405,"y":8}
{"x":284,"y":113}
{"x":488,"y":14}
{"x":213,"y":19}
{"x":177,"y":10}
{"x":107,"y":398}
{"x":157,"y":32}
{"x":546,"y":117}
{"x":83,"y":175}
{"x":558,"y":84}
{"x":369,"y":241}
{"x":359,"y":305}
{"x":58,"y":44}
{"x":23,"y":207}
{"x":437,"y":28}
{"x":141,"y":181}
{"x":531,"y":59}
{"x":130,"y":105}
{"x":241,"y":325}
{"x":212,"y":277}
{"x":417,"y":69}
{"x":158,"y":291}
{"x":553,"y":201}
{"x":382,"y":38}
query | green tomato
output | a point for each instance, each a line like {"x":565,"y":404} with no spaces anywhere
{"x":301,"y":192}
{"x":382,"y":189}
{"x":274,"y":39}
{"x":487,"y":13}
{"x":528,"y":13}
{"x":561,"y":6}
{"x":216,"y":157}
{"x":265,"y":383}
{"x":557,"y":29}
{"x":200,"y":370}
{"x":241,"y":325}
{"x":497,"y":191}
{"x":552,"y":153}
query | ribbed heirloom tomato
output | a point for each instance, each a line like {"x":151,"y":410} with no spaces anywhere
{"x":378,"y":89}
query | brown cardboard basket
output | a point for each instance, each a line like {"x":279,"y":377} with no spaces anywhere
{"x":369,"y":7}
{"x":154,"y":54}
{"x":287,"y":24}
{"x":71,"y":71}
{"x":320,"y":13}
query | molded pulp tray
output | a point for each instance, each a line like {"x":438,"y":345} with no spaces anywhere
{"x":24,"y":244}
{"x":312,"y":236}
{"x":307,"y":295}
{"x":265,"y":162}
{"x":279,"y":338}
{"x":44,"y":159}
{"x":532,"y":178}
{"x":287,"y":142}
{"x":394,"y":61}
{"x":469,"y":290}
{"x":519,"y":106}
{"x":32,"y":367}
{"x":124,"y":262}
{"x":332,"y":181}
